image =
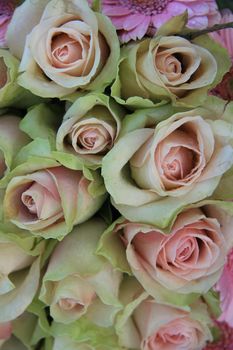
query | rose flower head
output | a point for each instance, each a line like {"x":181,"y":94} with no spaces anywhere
{"x":68,"y":47}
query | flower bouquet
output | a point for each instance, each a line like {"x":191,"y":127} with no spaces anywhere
{"x":116,"y":175}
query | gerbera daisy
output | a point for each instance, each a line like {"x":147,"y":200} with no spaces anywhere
{"x":6,"y":11}
{"x":135,"y":18}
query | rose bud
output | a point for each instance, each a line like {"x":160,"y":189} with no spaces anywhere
{"x":155,"y":326}
{"x":81,"y":283}
{"x":186,"y":258}
{"x":169,"y":68}
{"x":12,"y":139}
{"x":76,"y":49}
{"x":90,"y":127}
{"x":50,"y":201}
{"x":177,"y":162}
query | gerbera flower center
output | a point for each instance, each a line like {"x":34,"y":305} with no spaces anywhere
{"x":147,"y":7}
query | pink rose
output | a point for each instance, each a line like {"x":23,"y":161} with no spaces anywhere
{"x":50,"y":201}
{"x":147,"y":325}
{"x":188,"y":258}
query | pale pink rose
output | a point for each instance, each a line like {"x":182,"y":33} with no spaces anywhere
{"x":225,"y":36}
{"x":148,"y":325}
{"x":134,"y":19}
{"x":225,"y":288}
{"x":49,"y":201}
{"x":182,"y":152}
{"x":6,"y":12}
{"x":188,"y":258}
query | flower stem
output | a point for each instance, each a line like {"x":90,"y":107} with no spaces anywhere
{"x":192,"y":35}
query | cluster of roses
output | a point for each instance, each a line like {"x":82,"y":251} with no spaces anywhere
{"x":81,"y":118}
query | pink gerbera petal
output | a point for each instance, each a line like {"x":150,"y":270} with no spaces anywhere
{"x":125,"y":15}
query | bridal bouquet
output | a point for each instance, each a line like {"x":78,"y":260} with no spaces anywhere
{"x":116,"y":175}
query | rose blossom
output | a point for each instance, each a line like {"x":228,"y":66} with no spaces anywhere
{"x":178,"y":156}
{"x":187,"y":258}
{"x":50,"y":201}
{"x":148,"y":325}
{"x":81,"y":283}
{"x":167,"y":67}
{"x":69,"y":47}
{"x":90,"y":127}
{"x":134,"y":19}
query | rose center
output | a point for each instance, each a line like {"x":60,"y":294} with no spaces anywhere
{"x":178,"y":163}
{"x":185,"y":250}
{"x":147,"y":7}
{"x":29,"y":202}
{"x":65,"y":49}
{"x":68,"y":304}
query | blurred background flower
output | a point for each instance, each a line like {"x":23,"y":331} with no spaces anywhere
{"x":6,"y":11}
{"x":135,"y":18}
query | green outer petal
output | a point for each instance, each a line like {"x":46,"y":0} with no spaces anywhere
{"x":23,"y":328}
{"x":12,"y":139}
{"x":150,"y":117}
{"x":13,"y":343}
{"x":42,"y":121}
{"x":14,"y":303}
{"x":81,"y":244}
{"x":42,"y":328}
{"x":174,"y":26}
{"x":12,"y":94}
{"x":212,"y":300}
{"x":83,"y":331}
{"x":26,"y":17}
{"x":220,"y":54}
{"x":109,"y":71}
{"x":166,"y":208}
{"x":113,"y":249}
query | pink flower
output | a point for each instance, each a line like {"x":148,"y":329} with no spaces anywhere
{"x":225,"y":36}
{"x":225,"y":287}
{"x":135,"y":18}
{"x":226,"y":340}
{"x":6,"y":11}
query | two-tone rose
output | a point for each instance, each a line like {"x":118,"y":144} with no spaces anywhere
{"x":144,"y":324}
{"x":68,"y":47}
{"x":78,"y":282}
{"x":171,"y":264}
{"x":156,"y":167}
